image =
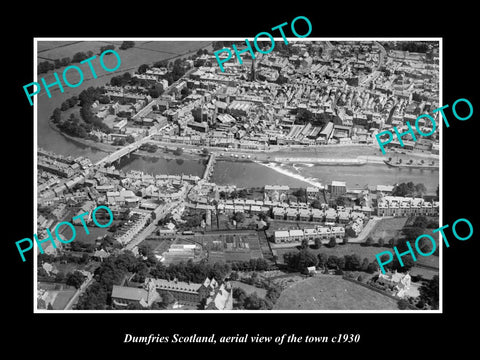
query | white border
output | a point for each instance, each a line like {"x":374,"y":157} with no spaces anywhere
{"x":179,"y":312}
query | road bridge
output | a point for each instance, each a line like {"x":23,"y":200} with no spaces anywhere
{"x":124,"y":151}
{"x":209,"y":168}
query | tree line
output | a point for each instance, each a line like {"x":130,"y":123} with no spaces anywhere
{"x":47,"y":65}
{"x":305,"y":258}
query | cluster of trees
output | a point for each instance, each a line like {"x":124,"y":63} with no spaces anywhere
{"x":45,"y":66}
{"x":304,"y":116}
{"x":411,"y":46}
{"x":80,"y":56}
{"x":122,"y":141}
{"x":149,"y":147}
{"x":253,"y":301}
{"x":69,"y":103}
{"x":239,"y":217}
{"x":178,"y":69}
{"x":161,"y":64}
{"x":411,"y":234}
{"x":178,"y":151}
{"x":111,"y":272}
{"x":62,"y":62}
{"x":318,"y":243}
{"x":407,"y":259}
{"x":240,"y":194}
{"x":250,"y":265}
{"x":106,"y":47}
{"x":305,"y":258}
{"x":109,"y":243}
{"x":380,"y":242}
{"x":193,"y":220}
{"x":142,"y":69}
{"x":300,"y":194}
{"x":87,"y":98}
{"x":75,"y":279}
{"x":74,"y":127}
{"x":127,"y":45}
{"x":121,"y":80}
{"x":409,"y":189}
{"x":82,"y":247}
{"x":316,"y":204}
{"x":156,"y":90}
{"x":56,"y":116}
{"x":185,"y":92}
{"x":429,"y":292}
{"x":423,"y":222}
{"x":300,"y":261}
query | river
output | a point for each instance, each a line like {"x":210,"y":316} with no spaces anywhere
{"x":242,"y":174}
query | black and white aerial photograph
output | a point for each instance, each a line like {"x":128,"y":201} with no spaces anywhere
{"x":269,"y":183}
{"x":192,"y":178}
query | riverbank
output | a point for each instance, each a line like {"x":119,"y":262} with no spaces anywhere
{"x":328,"y":155}
{"x":243,"y":156}
{"x":107,"y":148}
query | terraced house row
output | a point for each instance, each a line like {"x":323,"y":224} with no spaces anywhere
{"x":406,"y":206}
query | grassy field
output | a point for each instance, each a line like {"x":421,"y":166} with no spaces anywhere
{"x":62,"y":299}
{"x":426,"y":273}
{"x":388,"y":228}
{"x":332,"y":293}
{"x":158,"y":246}
{"x":82,"y":237}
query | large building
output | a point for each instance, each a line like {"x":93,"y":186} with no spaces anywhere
{"x":338,"y":188}
{"x":213,"y":295}
{"x":406,"y":206}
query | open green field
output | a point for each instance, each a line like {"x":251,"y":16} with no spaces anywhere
{"x":68,"y":49}
{"x":62,"y":299}
{"x":388,"y":228}
{"x":91,"y":238}
{"x":148,"y":51}
{"x":332,"y":293}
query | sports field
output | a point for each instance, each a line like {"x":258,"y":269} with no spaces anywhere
{"x":332,"y":293}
